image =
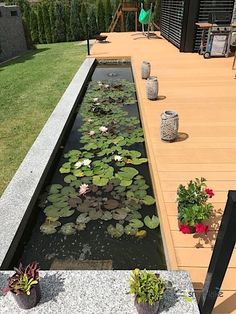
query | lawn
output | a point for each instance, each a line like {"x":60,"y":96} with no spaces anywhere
{"x":30,"y":88}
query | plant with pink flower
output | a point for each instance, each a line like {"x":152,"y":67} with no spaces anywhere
{"x":83,"y":189}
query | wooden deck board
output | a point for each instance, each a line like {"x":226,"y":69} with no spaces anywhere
{"x":203,"y":93}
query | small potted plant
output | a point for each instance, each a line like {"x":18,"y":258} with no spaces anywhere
{"x":24,"y":285}
{"x":193,"y":208}
{"x":148,"y":289}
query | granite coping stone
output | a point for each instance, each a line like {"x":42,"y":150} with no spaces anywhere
{"x":100,"y":292}
{"x":16,"y":202}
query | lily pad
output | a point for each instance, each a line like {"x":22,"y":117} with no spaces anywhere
{"x":127,"y":173}
{"x":126,"y":182}
{"x":85,"y":207}
{"x":129,"y":230}
{"x":136,"y":223}
{"x":100,"y":181}
{"x":69,"y":178}
{"x":111,"y":204}
{"x":78,"y":173}
{"x":152,"y":223}
{"x":149,"y":200}
{"x":49,"y":227}
{"x":115,"y":231}
{"x":55,"y":212}
{"x":95,"y":214}
{"x":74,"y":202}
{"x":68,"y":229}
{"x":138,"y":161}
{"x":80,"y":227}
{"x":120,"y":213}
{"x":133,"y":215}
{"x":56,"y":197}
{"x":141,"y":234}
{"x":106,"y":216}
{"x":83,"y":218}
{"x":69,"y":190}
{"x":54,"y":188}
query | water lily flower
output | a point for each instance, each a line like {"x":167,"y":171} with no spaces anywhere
{"x":117,"y":158}
{"x":209,"y":192}
{"x":103,"y":129}
{"x":201,"y":228}
{"x":89,"y":120}
{"x":185,"y":229}
{"x":78,"y":164}
{"x":107,"y":86}
{"x":87,"y":162}
{"x":83,"y":189}
{"x":95,"y":99}
{"x":91,"y":133}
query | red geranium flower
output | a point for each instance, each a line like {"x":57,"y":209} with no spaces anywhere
{"x":209,"y":192}
{"x":185,"y":229}
{"x":201,"y":228}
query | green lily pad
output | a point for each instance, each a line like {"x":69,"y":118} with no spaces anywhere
{"x":95,"y":214}
{"x":141,"y":234}
{"x":130,"y":230}
{"x":152,"y":223}
{"x":100,"y":181}
{"x":54,"y":188}
{"x":55,"y":212}
{"x":138,"y":161}
{"x":55,"y":197}
{"x":83,"y":218}
{"x":126,"y":182}
{"x":149,"y":200}
{"x":73,"y":153}
{"x":111,"y":204}
{"x":90,"y":146}
{"x":78,"y":173}
{"x":80,"y":227}
{"x":133,"y":215}
{"x":120,"y":213}
{"x":115,"y":231}
{"x":68,"y":229}
{"x":76,"y":184}
{"x":69,"y":190}
{"x":106,"y":216}
{"x":126,"y":173}
{"x":70,"y":178}
{"x":130,"y":194}
{"x":49,"y":227}
{"x":136,"y":223}
{"x":65,"y":168}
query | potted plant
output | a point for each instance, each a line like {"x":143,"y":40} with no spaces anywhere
{"x":24,"y":285}
{"x":193,"y":208}
{"x":148,"y":289}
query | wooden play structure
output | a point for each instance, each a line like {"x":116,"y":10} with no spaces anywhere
{"x":119,"y":17}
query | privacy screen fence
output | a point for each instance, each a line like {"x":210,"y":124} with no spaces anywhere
{"x":178,"y":18}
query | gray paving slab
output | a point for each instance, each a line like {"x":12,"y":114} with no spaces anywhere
{"x":100,"y":292}
{"x":16,"y":201}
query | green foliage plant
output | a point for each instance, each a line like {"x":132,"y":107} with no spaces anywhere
{"x":147,"y":286}
{"x":46,"y":22}
{"x":100,"y":16}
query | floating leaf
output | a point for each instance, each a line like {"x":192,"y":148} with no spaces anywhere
{"x":136,"y":223}
{"x":65,"y":168}
{"x":77,"y":183}
{"x":106,"y":215}
{"x":74,"y":202}
{"x":127,"y":173}
{"x":149,"y":200}
{"x":152,"y":223}
{"x":115,"y":231}
{"x":56,"y":198}
{"x":83,"y":218}
{"x":55,"y":212}
{"x":138,"y":161}
{"x":95,"y":214}
{"x":49,"y":227}
{"x":69,"y":190}
{"x":85,"y":207}
{"x":68,"y":229}
{"x":111,"y":204}
{"x":80,"y":227}
{"x":73,"y":153}
{"x":54,"y":188}
{"x":133,"y":215}
{"x":78,"y":173}
{"x":100,"y":181}
{"x":126,"y":182}
{"x":120,"y":213}
{"x":108,"y":188}
{"x":141,"y":234}
{"x":129,"y":230}
{"x":130,"y":194}
{"x":69,"y":178}
{"x":90,"y":146}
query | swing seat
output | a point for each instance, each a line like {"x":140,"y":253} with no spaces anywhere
{"x":144,"y":16}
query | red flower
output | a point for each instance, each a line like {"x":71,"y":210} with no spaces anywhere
{"x":209,"y":192}
{"x":185,"y":229}
{"x":201,"y":228}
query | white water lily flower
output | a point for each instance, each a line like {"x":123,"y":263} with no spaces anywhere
{"x":95,"y":99}
{"x":87,"y":162}
{"x":78,"y":164}
{"x":91,"y":133}
{"x":103,"y":129}
{"x":90,"y":120}
{"x":83,"y":189}
{"x":107,"y":86}
{"x":117,"y":158}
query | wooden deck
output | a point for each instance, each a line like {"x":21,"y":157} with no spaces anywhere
{"x":203,"y":92}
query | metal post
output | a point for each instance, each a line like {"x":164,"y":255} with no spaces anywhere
{"x":221,"y":255}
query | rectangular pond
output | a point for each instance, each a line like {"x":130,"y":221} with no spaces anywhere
{"x":97,"y":210}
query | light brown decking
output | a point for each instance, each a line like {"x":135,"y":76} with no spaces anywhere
{"x":203,"y":92}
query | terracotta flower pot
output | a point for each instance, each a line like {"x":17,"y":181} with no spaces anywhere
{"x":25,"y":301}
{"x":146,"y":308}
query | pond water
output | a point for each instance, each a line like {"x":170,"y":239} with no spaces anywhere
{"x":97,"y":209}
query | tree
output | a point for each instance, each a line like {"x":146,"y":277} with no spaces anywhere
{"x":75,"y":20}
{"x":67,"y":22}
{"x":60,"y":28}
{"x":108,"y":14}
{"x":83,"y":18}
{"x":46,"y":22}
{"x":100,"y":16}
{"x":40,"y":24}
{"x":93,"y":27}
{"x":34,"y":27}
{"x":52,"y":21}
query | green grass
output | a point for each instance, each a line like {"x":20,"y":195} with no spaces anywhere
{"x":30,"y":88}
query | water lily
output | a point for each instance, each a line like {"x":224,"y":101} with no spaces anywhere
{"x":83,"y":189}
{"x":103,"y":129}
{"x":87,"y":162}
{"x":95,"y":99}
{"x":89,"y":120}
{"x":117,"y":158}
{"x":78,"y":164}
{"x":91,"y":133}
{"x":107,"y":86}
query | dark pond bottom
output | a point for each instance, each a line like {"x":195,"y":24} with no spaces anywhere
{"x":93,"y":248}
